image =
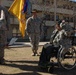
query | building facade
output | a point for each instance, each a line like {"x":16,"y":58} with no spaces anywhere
{"x":50,"y":10}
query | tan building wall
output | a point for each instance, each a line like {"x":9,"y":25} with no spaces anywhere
{"x":50,"y":9}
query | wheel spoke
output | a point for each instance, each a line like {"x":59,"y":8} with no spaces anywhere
{"x":68,"y":60}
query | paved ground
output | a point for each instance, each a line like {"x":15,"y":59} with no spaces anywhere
{"x":25,"y":44}
{"x":20,"y":62}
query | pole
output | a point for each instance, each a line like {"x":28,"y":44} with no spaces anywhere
{"x":55,"y":11}
{"x":74,"y":16}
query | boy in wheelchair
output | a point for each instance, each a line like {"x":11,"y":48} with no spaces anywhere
{"x":59,"y":37}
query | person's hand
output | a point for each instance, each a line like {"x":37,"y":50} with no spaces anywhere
{"x":54,"y":41}
{"x":63,"y":21}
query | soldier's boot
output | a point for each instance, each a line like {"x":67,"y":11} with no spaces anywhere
{"x":33,"y":54}
{"x":36,"y":53}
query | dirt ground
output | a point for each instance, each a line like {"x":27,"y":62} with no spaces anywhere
{"x":20,"y":62}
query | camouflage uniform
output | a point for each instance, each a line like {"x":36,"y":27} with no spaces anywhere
{"x":34,"y":29}
{"x":4,"y":22}
{"x":61,"y":39}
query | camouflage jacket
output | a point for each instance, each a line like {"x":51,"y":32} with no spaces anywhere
{"x":61,"y":38}
{"x":33,"y":25}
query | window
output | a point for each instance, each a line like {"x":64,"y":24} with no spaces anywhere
{"x":16,"y":32}
{"x":47,"y":2}
{"x":64,"y":6}
{"x":66,"y":18}
{"x":57,"y":17}
{"x":52,"y":17}
{"x":71,"y":19}
{"x":46,"y":16}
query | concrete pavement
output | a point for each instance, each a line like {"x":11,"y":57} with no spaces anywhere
{"x":13,"y":43}
{"x":25,"y":44}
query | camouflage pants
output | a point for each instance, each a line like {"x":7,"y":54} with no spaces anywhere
{"x":2,"y":44}
{"x":34,"y":39}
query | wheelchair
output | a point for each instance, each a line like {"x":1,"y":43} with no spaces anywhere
{"x":65,"y":60}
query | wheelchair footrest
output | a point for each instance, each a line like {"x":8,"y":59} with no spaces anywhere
{"x":52,"y":64}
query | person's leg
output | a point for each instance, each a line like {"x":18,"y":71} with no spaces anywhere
{"x":45,"y":55}
{"x":2,"y":44}
{"x":32,"y":37}
{"x":37,"y":39}
{"x":42,"y":58}
{"x":1,"y":55}
{"x":56,"y":49}
{"x":49,"y":52}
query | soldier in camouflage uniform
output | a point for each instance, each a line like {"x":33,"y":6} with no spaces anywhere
{"x":34,"y":30}
{"x":4,"y":22}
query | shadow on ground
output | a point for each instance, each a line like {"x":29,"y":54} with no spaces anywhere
{"x":35,"y":70}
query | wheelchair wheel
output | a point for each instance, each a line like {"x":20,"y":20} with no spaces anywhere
{"x":67,"y":60}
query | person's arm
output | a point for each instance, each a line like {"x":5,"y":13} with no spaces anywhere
{"x":61,"y":35}
{"x":41,"y":29}
{"x":28,"y":26}
{"x":41,"y":25}
{"x":2,"y":15}
{"x":65,"y":33}
{"x":7,"y":17}
{"x":53,"y":36}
